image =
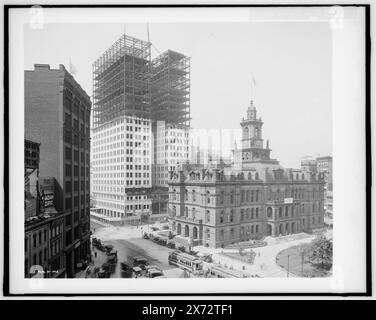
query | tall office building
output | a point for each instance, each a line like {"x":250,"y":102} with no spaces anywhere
{"x":138,"y":104}
{"x":57,"y":116}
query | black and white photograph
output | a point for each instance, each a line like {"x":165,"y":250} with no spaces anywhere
{"x":167,"y":149}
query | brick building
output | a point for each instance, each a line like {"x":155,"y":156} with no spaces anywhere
{"x":43,"y":224}
{"x":57,"y":115}
{"x":254,"y":197}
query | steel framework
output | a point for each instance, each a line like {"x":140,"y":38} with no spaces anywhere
{"x":121,"y":81}
{"x":170,"y":88}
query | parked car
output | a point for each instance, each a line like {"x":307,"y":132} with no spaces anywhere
{"x":162,"y":242}
{"x":112,"y":252}
{"x":153,"y":273}
{"x":140,"y":261}
{"x":108,"y":247}
{"x":156,"y":239}
{"x":137,"y":272}
{"x":153,"y":266}
{"x":170,"y":245}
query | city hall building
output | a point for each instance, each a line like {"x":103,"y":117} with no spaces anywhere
{"x":252,"y":198}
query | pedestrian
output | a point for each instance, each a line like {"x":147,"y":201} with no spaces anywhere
{"x":95,"y":254}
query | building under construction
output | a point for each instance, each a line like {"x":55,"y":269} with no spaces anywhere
{"x":170,"y":88}
{"x":121,"y":81}
{"x":132,"y":89}
{"x":126,"y":82}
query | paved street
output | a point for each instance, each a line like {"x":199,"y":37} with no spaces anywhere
{"x":128,"y":242}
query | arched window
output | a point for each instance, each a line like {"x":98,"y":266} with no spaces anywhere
{"x":186,"y":195}
{"x":257,"y":195}
{"x":280,"y":212}
{"x":303,"y":176}
{"x":249,"y":176}
{"x":286,"y":211}
{"x":207,"y":197}
{"x":222,"y":234}
{"x":292,"y":211}
{"x":269,"y":212}
{"x":252,"y":213}
{"x":252,"y":228}
{"x":193,"y":195}
{"x":257,"y":213}
{"x":193,"y":213}
{"x":256,"y":176}
{"x":247,"y":196}
{"x":186,"y":212}
{"x":241,"y":214}
{"x":232,"y":216}
{"x":252,"y":195}
{"x":186,"y":231}
{"x":242,"y":193}
{"x":179,"y":228}
{"x":257,"y":228}
{"x":194,"y":232}
{"x":247,"y":213}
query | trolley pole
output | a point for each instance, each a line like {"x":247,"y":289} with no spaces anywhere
{"x":288,"y":266}
{"x":302,"y":262}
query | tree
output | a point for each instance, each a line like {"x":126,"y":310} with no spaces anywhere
{"x":322,"y":252}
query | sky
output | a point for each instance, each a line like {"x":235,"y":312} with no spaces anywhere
{"x":290,"y":61}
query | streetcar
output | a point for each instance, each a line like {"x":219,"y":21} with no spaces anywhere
{"x":186,"y":262}
{"x":218,"y":271}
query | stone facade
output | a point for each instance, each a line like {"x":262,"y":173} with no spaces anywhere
{"x":253,"y":198}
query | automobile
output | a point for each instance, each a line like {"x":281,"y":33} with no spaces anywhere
{"x":156,"y":239}
{"x":108,"y":247}
{"x":137,"y":272}
{"x":112,"y":252}
{"x":146,"y":236}
{"x":153,"y":266}
{"x":103,"y":274}
{"x":170,"y":245}
{"x":152,"y":273}
{"x":162,"y":242}
{"x":140,"y":261}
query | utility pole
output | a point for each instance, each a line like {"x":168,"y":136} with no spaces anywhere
{"x":302,"y":262}
{"x":288,"y":266}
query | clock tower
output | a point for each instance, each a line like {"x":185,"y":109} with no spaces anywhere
{"x":252,"y":144}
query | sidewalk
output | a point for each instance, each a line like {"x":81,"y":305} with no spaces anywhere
{"x":264,"y":264}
